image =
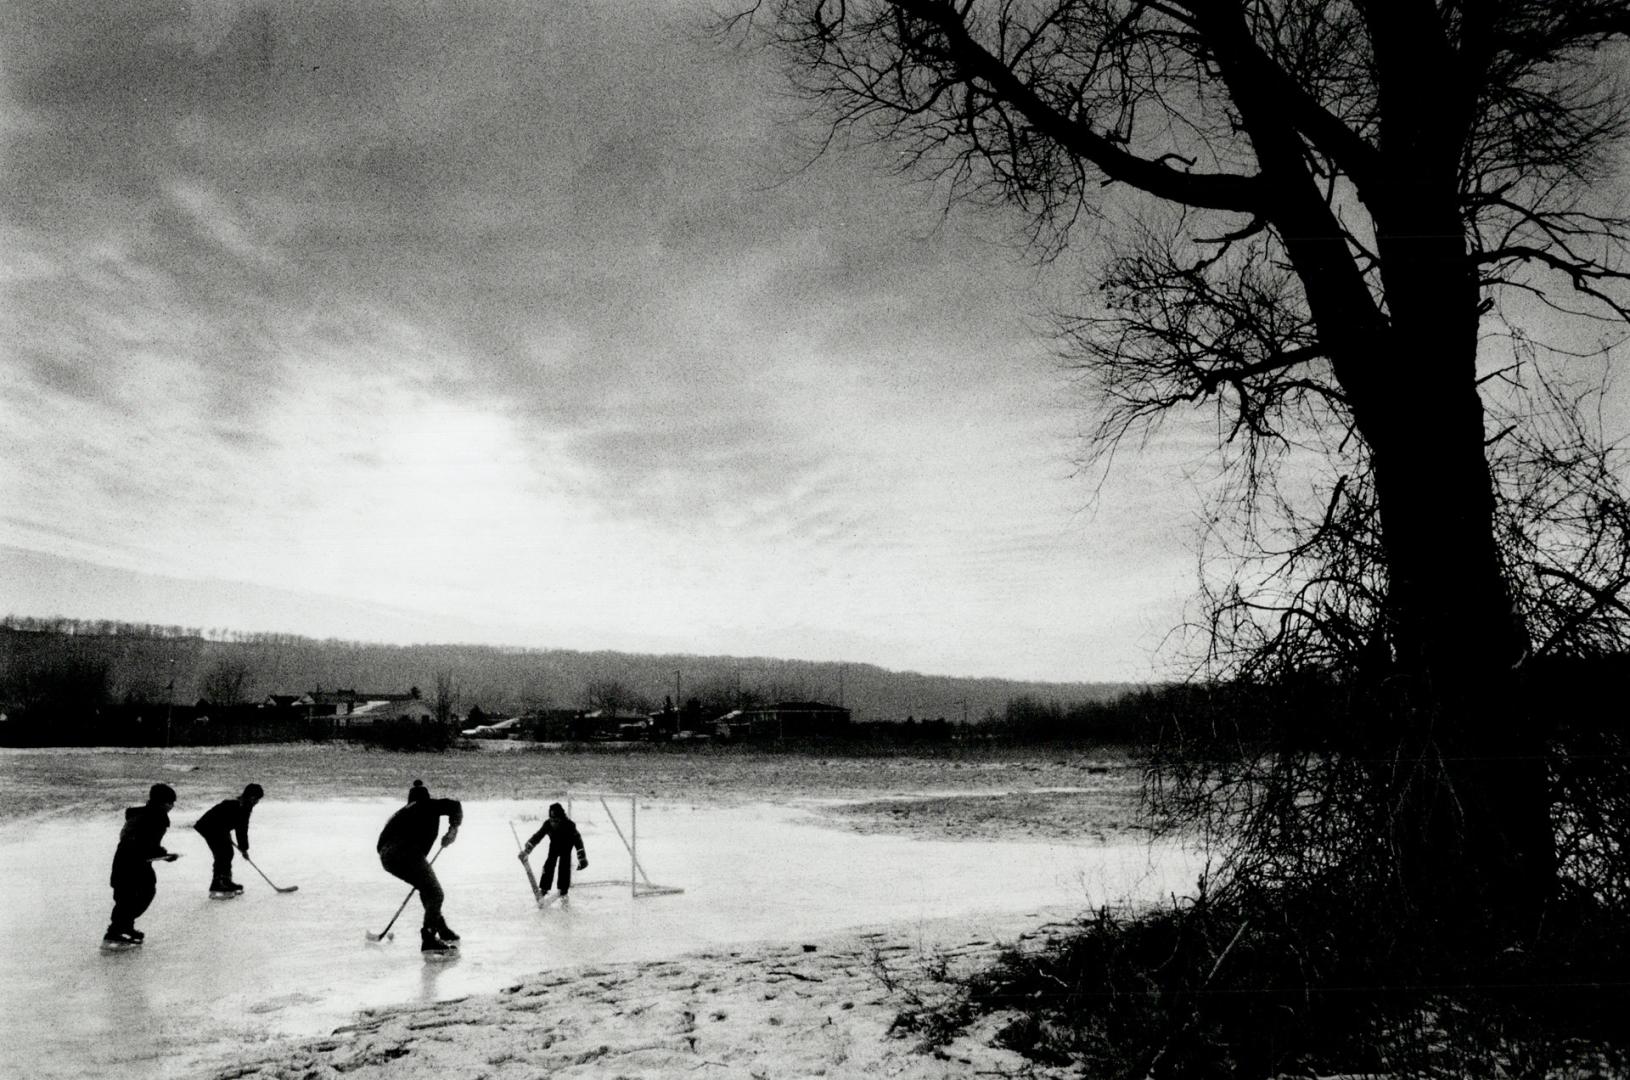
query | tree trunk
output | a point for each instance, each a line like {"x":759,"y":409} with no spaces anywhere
{"x":1471,"y":807}
{"x":1470,"y":802}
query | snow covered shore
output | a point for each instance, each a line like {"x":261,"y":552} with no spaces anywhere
{"x":767,"y":1012}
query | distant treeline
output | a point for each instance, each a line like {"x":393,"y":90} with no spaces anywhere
{"x":67,"y":671}
{"x":76,"y":682}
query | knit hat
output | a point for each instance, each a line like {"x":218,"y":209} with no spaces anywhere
{"x":418,"y":791}
{"x":554,"y":806}
{"x":254,"y":791}
{"x":161,"y":793}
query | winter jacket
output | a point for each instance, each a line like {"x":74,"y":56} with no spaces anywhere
{"x":142,"y":838}
{"x":412,"y":829}
{"x":562,"y":834}
{"x":227,"y":816}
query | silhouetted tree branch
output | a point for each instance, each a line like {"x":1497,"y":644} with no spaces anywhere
{"x":1322,"y":206}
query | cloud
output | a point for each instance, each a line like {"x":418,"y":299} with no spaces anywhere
{"x":506,"y":178}
{"x":276,"y":274}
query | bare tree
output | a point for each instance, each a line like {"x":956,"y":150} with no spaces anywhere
{"x":610,"y":695}
{"x":717,"y":694}
{"x":1331,"y":202}
{"x":226,"y":681}
{"x":446,"y":701}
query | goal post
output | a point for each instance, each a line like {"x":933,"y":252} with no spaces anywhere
{"x":620,"y":810}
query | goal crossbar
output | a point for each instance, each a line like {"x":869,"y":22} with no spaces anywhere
{"x":639,"y":883}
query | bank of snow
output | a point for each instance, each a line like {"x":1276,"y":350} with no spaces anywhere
{"x":822,"y":1008}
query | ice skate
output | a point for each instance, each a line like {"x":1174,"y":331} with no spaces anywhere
{"x":434,"y":948}
{"x":120,"y":941}
{"x":224,"y":889}
{"x":446,"y":934}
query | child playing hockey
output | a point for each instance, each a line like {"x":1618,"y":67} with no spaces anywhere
{"x":403,"y":844}
{"x":141,"y":843}
{"x":563,"y":836}
{"x":217,"y":827}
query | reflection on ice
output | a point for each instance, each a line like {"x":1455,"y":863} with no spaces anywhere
{"x":224,"y":975}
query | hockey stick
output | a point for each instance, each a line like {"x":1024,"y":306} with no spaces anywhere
{"x":269,"y":881}
{"x":385,"y":934}
{"x":531,"y":879}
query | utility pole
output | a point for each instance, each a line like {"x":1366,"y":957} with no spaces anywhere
{"x":169,"y":704}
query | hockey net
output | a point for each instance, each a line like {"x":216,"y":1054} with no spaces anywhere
{"x":617,"y":812}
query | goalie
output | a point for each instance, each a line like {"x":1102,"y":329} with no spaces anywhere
{"x":563,"y":836}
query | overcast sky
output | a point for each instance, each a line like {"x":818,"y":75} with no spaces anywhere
{"x":527,"y":317}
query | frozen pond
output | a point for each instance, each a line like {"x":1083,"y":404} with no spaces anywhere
{"x":217,"y":975}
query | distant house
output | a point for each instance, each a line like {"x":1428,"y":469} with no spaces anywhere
{"x":377,"y":710}
{"x":346,"y":702}
{"x":732,"y":725}
{"x":328,"y":702}
{"x":557,"y":725}
{"x":478,"y":716}
{"x":691,"y":720}
{"x":613,"y":724}
{"x":361,"y":707}
{"x":792,"y":720}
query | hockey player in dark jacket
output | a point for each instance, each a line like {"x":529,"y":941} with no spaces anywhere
{"x":141,"y":843}
{"x":563,"y":836}
{"x":403,"y":846}
{"x":217,"y":826}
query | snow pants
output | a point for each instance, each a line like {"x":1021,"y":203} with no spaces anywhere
{"x":133,"y":890}
{"x":565,"y":876}
{"x":220,"y":848}
{"x":417,"y":871}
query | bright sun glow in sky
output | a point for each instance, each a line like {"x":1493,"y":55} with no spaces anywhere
{"x":528,"y":323}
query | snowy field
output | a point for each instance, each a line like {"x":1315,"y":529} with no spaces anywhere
{"x":217,"y":979}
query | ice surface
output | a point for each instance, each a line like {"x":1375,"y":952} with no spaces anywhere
{"x":218,"y":976}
